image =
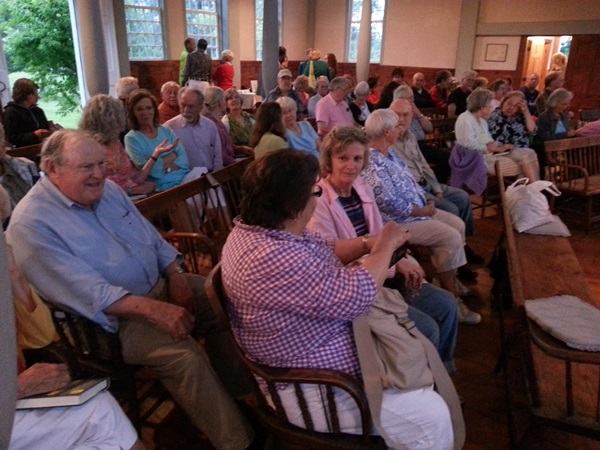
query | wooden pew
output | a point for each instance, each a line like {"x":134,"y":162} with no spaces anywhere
{"x":443,"y":135}
{"x":575,"y":169}
{"x":435,"y":113}
{"x":564,"y":384}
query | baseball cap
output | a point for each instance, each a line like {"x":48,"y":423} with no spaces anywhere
{"x":284,"y":73}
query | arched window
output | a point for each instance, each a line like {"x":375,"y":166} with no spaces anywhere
{"x":143,"y":20}
{"x":203,"y":21}
{"x":377,"y":16}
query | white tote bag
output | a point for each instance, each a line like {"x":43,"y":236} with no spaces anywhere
{"x":527,"y":205}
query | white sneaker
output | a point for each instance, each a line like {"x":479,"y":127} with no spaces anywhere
{"x":461,"y":289}
{"x":465,"y":315}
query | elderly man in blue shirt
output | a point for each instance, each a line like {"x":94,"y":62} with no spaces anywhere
{"x":85,"y":247}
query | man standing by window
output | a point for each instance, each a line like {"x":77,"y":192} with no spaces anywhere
{"x":197,"y":72}
{"x":190,"y":46}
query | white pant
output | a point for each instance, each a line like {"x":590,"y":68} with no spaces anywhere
{"x":99,"y":423}
{"x":202,"y":85}
{"x":413,"y":420}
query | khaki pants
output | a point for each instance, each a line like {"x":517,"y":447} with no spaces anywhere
{"x":186,"y":372}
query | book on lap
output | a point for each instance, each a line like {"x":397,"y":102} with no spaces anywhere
{"x":75,"y":393}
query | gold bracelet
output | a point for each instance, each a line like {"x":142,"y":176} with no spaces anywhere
{"x":365,"y":242}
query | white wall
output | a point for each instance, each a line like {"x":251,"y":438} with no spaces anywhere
{"x":509,"y":11}
{"x":295,"y":28}
{"x":331,"y":28}
{"x":421,"y":33}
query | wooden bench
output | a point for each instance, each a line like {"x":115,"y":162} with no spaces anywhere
{"x":443,"y":135}
{"x":589,"y":115}
{"x":564,"y":384}
{"x":435,"y":113}
{"x":575,"y":169}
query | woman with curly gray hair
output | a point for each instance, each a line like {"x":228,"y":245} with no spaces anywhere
{"x":104,"y":117}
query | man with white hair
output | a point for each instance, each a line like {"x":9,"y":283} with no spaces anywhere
{"x":457,"y":100}
{"x":422,"y":97}
{"x":333,"y":110}
{"x":321,"y":90}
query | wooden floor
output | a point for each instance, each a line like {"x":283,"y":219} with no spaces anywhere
{"x":476,"y":356}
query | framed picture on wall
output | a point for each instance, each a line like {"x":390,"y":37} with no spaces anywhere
{"x":496,"y":52}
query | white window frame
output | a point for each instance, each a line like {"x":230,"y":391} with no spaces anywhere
{"x":356,"y":23}
{"x":215,"y":43}
{"x":159,"y":9}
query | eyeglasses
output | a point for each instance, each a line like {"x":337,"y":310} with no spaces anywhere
{"x":318,"y":192}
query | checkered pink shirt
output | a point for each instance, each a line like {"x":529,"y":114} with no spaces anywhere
{"x":292,"y":300}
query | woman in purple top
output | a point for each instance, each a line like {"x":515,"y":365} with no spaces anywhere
{"x":293,"y":300}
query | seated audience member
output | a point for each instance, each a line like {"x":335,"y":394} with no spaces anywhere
{"x":480,"y":82}
{"x":447,"y":198}
{"x":238,"y":122}
{"x":315,"y":68}
{"x":147,"y":137}
{"x":332,"y":64}
{"x":439,"y":92}
{"x":198,"y":135}
{"x":512,"y":123}
{"x":401,"y":199}
{"x":457,"y":100}
{"x":554,"y":123}
{"x":223,"y":75}
{"x":284,"y":89}
{"x":269,"y":133}
{"x":103,"y":117}
{"x":473,"y":135}
{"x":143,"y":295}
{"x":531,"y":93}
{"x":17,"y":175}
{"x":99,"y":423}
{"x":214,"y":110}
{"x":419,"y":127}
{"x":499,"y":88}
{"x":373,"y":82}
{"x":360,"y":107}
{"x":321,"y":90}
{"x":422,"y":96}
{"x":293,"y":301}
{"x":333,"y":110}
{"x":189,"y":45}
{"x":25,"y":122}
{"x":300,"y":135}
{"x":387,"y":93}
{"x":552,"y":82}
{"x":169,"y":107}
{"x":125,"y":87}
{"x":347,"y":211}
{"x":301,"y":88}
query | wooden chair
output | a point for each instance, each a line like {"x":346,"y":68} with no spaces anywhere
{"x":31,"y":152}
{"x":435,"y":113}
{"x":575,"y":169}
{"x":205,"y":206}
{"x":563,"y":383}
{"x":443,"y":133}
{"x":98,"y":355}
{"x":274,"y":419}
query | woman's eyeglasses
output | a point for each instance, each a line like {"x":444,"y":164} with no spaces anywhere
{"x":318,"y":192}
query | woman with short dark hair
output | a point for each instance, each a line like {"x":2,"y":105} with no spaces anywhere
{"x":292,"y":300}
{"x":24,"y":121}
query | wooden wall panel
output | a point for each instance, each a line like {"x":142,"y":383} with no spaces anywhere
{"x":583,"y":72}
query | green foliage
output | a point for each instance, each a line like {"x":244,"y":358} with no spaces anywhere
{"x":38,"y":40}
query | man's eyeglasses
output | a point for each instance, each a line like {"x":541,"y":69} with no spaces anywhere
{"x":318,"y":192}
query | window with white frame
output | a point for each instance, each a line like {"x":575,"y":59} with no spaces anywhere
{"x":143,"y":19}
{"x":259,"y":6}
{"x":377,"y":16}
{"x":202,"y":18}
{"x":258,"y":13}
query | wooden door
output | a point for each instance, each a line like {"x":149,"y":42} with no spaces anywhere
{"x":536,"y":58}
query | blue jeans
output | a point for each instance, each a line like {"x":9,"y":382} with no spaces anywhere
{"x":457,"y":202}
{"x":435,"y":314}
